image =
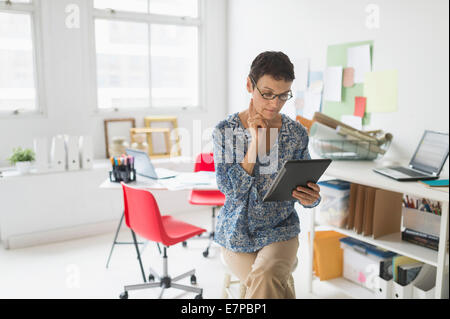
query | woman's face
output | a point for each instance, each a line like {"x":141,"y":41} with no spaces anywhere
{"x":267,"y":84}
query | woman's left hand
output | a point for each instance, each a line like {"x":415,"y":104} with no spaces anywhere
{"x":307,"y":195}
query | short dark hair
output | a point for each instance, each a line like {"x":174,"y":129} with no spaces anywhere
{"x":275,"y":64}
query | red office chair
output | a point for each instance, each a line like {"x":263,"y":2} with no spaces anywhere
{"x":142,"y":216}
{"x":214,"y":198}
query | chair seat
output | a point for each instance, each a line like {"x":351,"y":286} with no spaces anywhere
{"x":179,"y":231}
{"x":206,"y":197}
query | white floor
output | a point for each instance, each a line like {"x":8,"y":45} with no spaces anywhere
{"x":76,"y":268}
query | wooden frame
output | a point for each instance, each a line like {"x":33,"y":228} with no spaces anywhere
{"x":106,"y":124}
{"x":172,"y":125}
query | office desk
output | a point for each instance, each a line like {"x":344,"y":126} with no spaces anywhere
{"x":360,"y":172}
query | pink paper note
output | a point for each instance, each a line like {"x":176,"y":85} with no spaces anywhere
{"x":348,"y":77}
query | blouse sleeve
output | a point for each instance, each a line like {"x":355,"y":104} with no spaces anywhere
{"x":232,"y":179}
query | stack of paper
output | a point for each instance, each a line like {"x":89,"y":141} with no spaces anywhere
{"x":182,"y":181}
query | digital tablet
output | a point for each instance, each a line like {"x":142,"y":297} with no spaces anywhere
{"x":293,"y":174}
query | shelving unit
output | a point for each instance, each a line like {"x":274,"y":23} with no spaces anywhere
{"x":362,"y":173}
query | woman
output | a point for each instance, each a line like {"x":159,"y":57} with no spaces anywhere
{"x":260,"y":240}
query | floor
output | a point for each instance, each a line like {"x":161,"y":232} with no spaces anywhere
{"x":76,"y":268}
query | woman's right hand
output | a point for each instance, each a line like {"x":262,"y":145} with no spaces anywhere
{"x":255,"y":120}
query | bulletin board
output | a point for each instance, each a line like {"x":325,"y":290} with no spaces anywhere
{"x":337,"y":56}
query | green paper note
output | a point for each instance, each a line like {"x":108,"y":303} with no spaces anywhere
{"x":381,"y":90}
{"x":337,"y":56}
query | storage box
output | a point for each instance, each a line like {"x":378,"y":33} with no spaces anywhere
{"x":334,"y":206}
{"x":362,"y":262}
{"x":420,"y":221}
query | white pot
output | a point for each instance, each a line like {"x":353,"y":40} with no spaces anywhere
{"x":23,"y":167}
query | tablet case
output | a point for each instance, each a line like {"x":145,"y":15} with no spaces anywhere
{"x":295,"y":173}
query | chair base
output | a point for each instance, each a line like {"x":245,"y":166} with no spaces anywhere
{"x":166,"y":282}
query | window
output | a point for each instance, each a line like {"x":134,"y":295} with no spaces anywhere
{"x":147,"y":53}
{"x":18,"y":84}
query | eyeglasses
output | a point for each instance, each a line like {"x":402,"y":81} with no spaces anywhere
{"x":270,"y":96}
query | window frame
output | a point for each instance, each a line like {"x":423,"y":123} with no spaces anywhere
{"x":149,"y":18}
{"x":32,"y":9}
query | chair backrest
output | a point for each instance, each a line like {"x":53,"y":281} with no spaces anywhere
{"x":142,"y":213}
{"x":204,"y":162}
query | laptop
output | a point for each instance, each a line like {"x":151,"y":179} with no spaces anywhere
{"x":144,"y":167}
{"x":427,"y":161}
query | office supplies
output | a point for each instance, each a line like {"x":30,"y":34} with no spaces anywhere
{"x":86,"y":148}
{"x":72,"y":152}
{"x":328,"y":255}
{"x":408,"y":272}
{"x":398,"y":261}
{"x":427,"y":161}
{"x":435,"y":183}
{"x":359,"y":59}
{"x":387,"y":213}
{"x":352,"y":205}
{"x":359,"y":209}
{"x":144,"y":166}
{"x":122,"y":169}
{"x":332,"y":84}
{"x":295,"y":173}
{"x":335,"y":202}
{"x":348,"y":77}
{"x":41,"y":162}
{"x":58,"y":154}
{"x":362,"y":261}
{"x":369,"y":203}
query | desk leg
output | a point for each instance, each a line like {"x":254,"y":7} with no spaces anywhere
{"x":115,"y":238}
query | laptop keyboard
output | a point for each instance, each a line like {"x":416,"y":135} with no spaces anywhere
{"x":408,"y":171}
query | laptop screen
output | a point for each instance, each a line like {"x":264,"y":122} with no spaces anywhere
{"x":431,"y":153}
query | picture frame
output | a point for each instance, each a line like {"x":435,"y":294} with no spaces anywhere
{"x":117,"y":127}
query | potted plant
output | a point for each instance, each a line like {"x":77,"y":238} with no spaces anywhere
{"x":22,"y":159}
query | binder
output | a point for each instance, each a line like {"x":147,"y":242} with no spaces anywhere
{"x":41,"y":150}
{"x":359,"y":208}
{"x":352,"y":205}
{"x":58,"y":154}
{"x":387,"y":213}
{"x":86,"y":148}
{"x":72,"y":152}
{"x":425,"y":282}
{"x":368,"y":211}
{"x":384,"y":288}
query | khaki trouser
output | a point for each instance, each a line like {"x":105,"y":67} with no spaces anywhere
{"x":267,"y":272}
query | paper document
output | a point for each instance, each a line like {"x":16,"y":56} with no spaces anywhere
{"x":191,"y":180}
{"x":359,"y":59}
{"x":381,"y":91}
{"x":333,"y":84}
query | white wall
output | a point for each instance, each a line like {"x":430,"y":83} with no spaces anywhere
{"x":68,"y":103}
{"x":413,"y":38}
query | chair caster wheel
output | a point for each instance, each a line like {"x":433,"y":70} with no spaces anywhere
{"x":124,"y":295}
{"x":199,"y":296}
{"x":151,"y":278}
{"x":193,"y":280}
{"x":206,"y":253}
{"x":184,"y":244}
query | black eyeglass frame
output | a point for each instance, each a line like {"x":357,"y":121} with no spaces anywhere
{"x":289,"y":94}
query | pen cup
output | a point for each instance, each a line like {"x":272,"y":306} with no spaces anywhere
{"x":122,"y":174}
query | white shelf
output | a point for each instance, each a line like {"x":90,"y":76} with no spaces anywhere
{"x":392,"y":242}
{"x":349,"y":288}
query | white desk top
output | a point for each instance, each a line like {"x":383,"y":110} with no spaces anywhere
{"x":172,"y":184}
{"x":361,"y":172}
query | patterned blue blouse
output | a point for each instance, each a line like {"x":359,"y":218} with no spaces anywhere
{"x":245,"y":223}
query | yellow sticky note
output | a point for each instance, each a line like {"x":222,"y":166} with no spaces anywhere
{"x":381,"y":91}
